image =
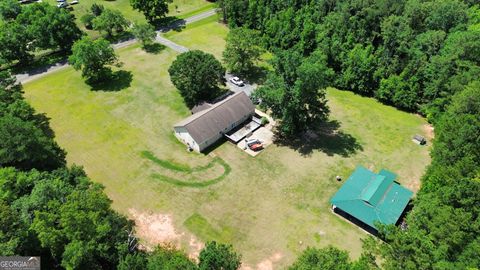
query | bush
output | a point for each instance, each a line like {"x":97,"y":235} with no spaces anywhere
{"x":145,"y":33}
{"x":97,"y":9}
{"x":87,"y":20}
{"x":264,"y":121}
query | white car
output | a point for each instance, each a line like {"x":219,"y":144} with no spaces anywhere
{"x":62,"y":5}
{"x":237,"y":81}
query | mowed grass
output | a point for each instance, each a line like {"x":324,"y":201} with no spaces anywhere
{"x":178,"y":8}
{"x":207,"y":35}
{"x":273,"y":204}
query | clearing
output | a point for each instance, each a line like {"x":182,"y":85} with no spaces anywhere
{"x":269,"y":207}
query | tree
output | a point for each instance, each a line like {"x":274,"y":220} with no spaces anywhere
{"x":24,"y":145}
{"x":109,"y":21}
{"x":168,"y":258}
{"x":358,"y":70}
{"x":63,"y":216}
{"x":329,"y":258}
{"x":242,"y":50}
{"x":152,"y":9}
{"x":12,"y":230}
{"x":81,"y":230}
{"x":87,"y":20}
{"x":97,"y":9}
{"x":49,"y":27}
{"x":9,"y":9}
{"x":218,"y":256}
{"x":136,"y":261}
{"x":27,"y":141}
{"x":196,"y":75}
{"x":462,"y":117}
{"x":399,"y":91}
{"x":145,"y":33}
{"x":14,"y":43}
{"x":93,"y":57}
{"x":296,"y":92}
{"x":445,"y":15}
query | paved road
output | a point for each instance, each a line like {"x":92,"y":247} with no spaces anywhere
{"x":200,"y":16}
{"x":172,"y":45}
{"x":37,"y":73}
{"x":247,"y":88}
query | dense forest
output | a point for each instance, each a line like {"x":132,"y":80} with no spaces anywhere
{"x":420,"y":56}
{"x":412,"y":54}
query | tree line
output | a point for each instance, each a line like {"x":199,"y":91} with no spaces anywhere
{"x":412,"y":54}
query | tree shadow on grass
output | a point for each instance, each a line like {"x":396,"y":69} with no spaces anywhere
{"x":116,"y":81}
{"x":154,"y":48}
{"x":120,"y":37}
{"x":43,"y":122}
{"x":170,"y":23}
{"x":326,"y":138}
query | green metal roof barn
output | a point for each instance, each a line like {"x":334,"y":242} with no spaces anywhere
{"x":371,"y":197}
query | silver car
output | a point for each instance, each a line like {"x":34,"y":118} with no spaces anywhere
{"x":237,"y":81}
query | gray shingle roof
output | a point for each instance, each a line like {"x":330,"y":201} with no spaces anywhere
{"x":208,"y":123}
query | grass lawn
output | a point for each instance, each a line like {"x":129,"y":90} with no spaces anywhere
{"x":206,"y":35}
{"x":269,"y":207}
{"x":178,"y":8}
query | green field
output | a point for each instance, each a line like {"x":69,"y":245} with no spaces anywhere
{"x":269,"y":207}
{"x":185,"y":8}
{"x":206,"y":35}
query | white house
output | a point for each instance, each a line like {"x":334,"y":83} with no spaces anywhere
{"x":204,"y":128}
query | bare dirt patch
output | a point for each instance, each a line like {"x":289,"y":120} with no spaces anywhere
{"x":195,"y":247}
{"x":158,"y":229}
{"x":155,"y":229}
{"x":429,"y":131}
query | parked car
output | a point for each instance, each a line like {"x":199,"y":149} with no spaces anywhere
{"x":256,"y":147}
{"x":250,"y":142}
{"x":62,"y":5}
{"x":74,"y":2}
{"x":61,"y":1}
{"x":237,"y":81}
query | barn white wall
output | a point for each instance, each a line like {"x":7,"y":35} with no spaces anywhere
{"x":182,"y":134}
